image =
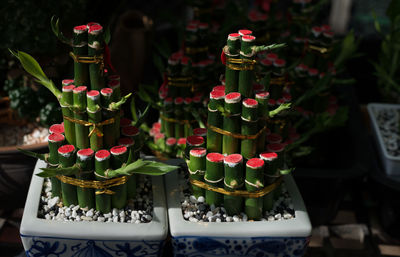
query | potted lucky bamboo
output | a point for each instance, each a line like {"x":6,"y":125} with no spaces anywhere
{"x":89,"y":194}
{"x":233,"y":197}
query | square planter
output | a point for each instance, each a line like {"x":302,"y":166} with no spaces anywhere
{"x":251,"y":238}
{"x":41,"y":237}
{"x":390,"y":163}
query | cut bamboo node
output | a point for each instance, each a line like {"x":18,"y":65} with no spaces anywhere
{"x":268,"y":156}
{"x":102,"y":155}
{"x":56,"y":137}
{"x":56,"y":128}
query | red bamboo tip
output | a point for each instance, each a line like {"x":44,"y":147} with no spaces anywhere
{"x":200,"y":132}
{"x":219,"y":88}
{"x":178,"y":100}
{"x":168,"y":100}
{"x":313,"y":72}
{"x":154,"y":131}
{"x":268,"y":156}
{"x":130,"y":131}
{"x":191,"y":28}
{"x":113,"y":83}
{"x":316,"y":31}
{"x":328,"y":34}
{"x":66,"y":149}
{"x":124,"y":122}
{"x":156,"y":125}
{"x":181,"y":141}
{"x":203,"y":25}
{"x":217,"y":94}
{"x":56,"y":137}
{"x":301,"y":67}
{"x":187,"y":100}
{"x":255,"y":163}
{"x":275,"y":147}
{"x":248,"y":38}
{"x":197,"y":99}
{"x":85,"y":153}
{"x":170,"y":141}
{"x":114,"y":77}
{"x":245,"y":32}
{"x":95,"y":29}
{"x":118,"y":150}
{"x":68,"y":88}
{"x":198,"y":152}
{"x":233,"y":97}
{"x":233,"y":159}
{"x":93,"y":93}
{"x":102,"y":155}
{"x":274,"y":138}
{"x":250,"y":103}
{"x":287,"y":97}
{"x":126,"y":141}
{"x":272,"y":56}
{"x":92,"y":23}
{"x":159,"y":136}
{"x":80,"y":29}
{"x":279,"y":63}
{"x":262,"y":95}
{"x":233,"y":36}
{"x":195,"y":140}
{"x":271,"y":102}
{"x":266,"y":62}
{"x":106,"y":91}
{"x":67,"y":82}
{"x":215,"y":157}
{"x":56,"y":128}
{"x":80,"y":89}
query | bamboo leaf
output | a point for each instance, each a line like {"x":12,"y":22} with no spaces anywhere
{"x":39,"y":156}
{"x":142,"y":167}
{"x":268,"y":48}
{"x":280,"y":108}
{"x":142,"y":117}
{"x":116,"y":106}
{"x":52,"y":172}
{"x":133,"y":109}
{"x":286,"y":171}
{"x":54,"y":23}
{"x":107,"y":35}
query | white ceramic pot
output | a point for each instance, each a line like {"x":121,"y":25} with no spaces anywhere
{"x":390,"y":163}
{"x":253,"y":238}
{"x":42,"y":237}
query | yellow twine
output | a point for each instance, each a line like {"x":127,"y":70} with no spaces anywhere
{"x":240,"y":64}
{"x":183,"y":122}
{"x":97,"y":59}
{"x":102,"y":185}
{"x":88,"y":124}
{"x":236,"y":135}
{"x":322,"y":50}
{"x":242,"y":193}
{"x":195,"y":50}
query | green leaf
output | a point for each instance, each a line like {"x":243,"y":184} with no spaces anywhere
{"x":116,"y":106}
{"x":142,"y":117}
{"x":52,"y":172}
{"x":54,"y":23}
{"x":280,"y":108}
{"x":133,"y":109}
{"x":268,"y":48}
{"x":39,"y":156}
{"x":107,"y":35}
{"x":286,"y":171}
{"x":142,"y":167}
{"x":348,"y":48}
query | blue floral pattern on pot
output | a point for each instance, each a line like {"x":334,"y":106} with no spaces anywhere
{"x":257,"y":246}
{"x":65,"y":247}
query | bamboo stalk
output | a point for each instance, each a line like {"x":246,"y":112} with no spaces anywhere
{"x":232,"y":76}
{"x":234,"y":178}
{"x":66,"y":102}
{"x":178,"y":112}
{"x":254,"y":182}
{"x":269,"y":177}
{"x":263,"y":111}
{"x":131,"y":183}
{"x":214,"y":118}
{"x":188,"y":116}
{"x":119,"y":156}
{"x":214,"y":176}
{"x":133,"y":133}
{"x":168,"y":113}
{"x":81,"y":131}
{"x":116,"y":96}
{"x":248,"y":147}
{"x":96,"y":45}
{"x":81,"y":71}
{"x":94,"y":116}
{"x":66,"y":157}
{"x":84,"y":158}
{"x":101,"y":164}
{"x":55,"y":141}
{"x":245,"y":87}
{"x":197,"y":168}
{"x":231,"y":123}
{"x":193,"y":142}
{"x":278,"y":164}
{"x":109,"y":139}
{"x":181,"y":145}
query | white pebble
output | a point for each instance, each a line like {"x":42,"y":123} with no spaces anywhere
{"x":212,"y":207}
{"x":75,"y":208}
{"x":68,"y":212}
{"x":122,"y":214}
{"x":101,"y":219}
{"x":90,"y":213}
{"x":115,"y":219}
{"x":193,"y":219}
{"x":278,"y":216}
{"x":201,"y":199}
{"x":79,"y":218}
{"x":228,"y":219}
{"x":86,"y":218}
{"x":47,"y":216}
{"x":236,"y":218}
{"x":244,"y":217}
{"x":107,"y":215}
{"x":122,"y":219}
{"x":193,"y":199}
{"x":217,"y":220}
{"x":114,"y":212}
{"x":287,"y":216}
{"x":74,"y":214}
{"x":137,"y":221}
{"x":209,"y":214}
{"x":271,"y":218}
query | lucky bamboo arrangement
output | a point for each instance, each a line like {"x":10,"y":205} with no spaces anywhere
{"x":94,"y":155}
{"x":240,"y":160}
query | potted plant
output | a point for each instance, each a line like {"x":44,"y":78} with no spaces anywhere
{"x":92,"y":188}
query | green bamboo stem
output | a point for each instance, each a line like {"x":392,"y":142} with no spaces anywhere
{"x":84,"y":158}
{"x":197,"y":168}
{"x":168,"y":113}
{"x":186,"y":71}
{"x":214,"y":118}
{"x":55,"y":141}
{"x":188,"y":116}
{"x":269,"y":177}
{"x":232,"y":51}
{"x":262,"y":99}
{"x":133,"y":133}
{"x":178,"y":112}
{"x":67,"y":101}
{"x":234,"y":179}
{"x":131,"y":184}
{"x":81,"y":131}
{"x":254,"y":181}
{"x":116,"y":97}
{"x":278,"y":164}
{"x":81,"y":71}
{"x":101,"y":164}
{"x":246,"y":76}
{"x":109,"y":138}
{"x":231,"y":123}
{"x":170,"y":146}
{"x":214,"y":176}
{"x":96,"y":45}
{"x":66,"y":158}
{"x":94,"y":116}
{"x":248,"y":147}
{"x":119,"y":156}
